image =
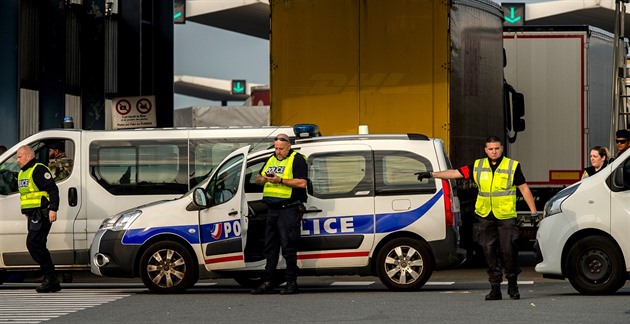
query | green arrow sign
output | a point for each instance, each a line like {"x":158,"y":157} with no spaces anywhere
{"x":179,"y":11}
{"x":238,"y":87}
{"x":513,"y":14}
{"x":512,"y":19}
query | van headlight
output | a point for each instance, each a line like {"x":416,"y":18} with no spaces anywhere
{"x":554,"y":205}
{"x":121,"y":221}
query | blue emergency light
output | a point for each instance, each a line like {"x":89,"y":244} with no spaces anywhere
{"x":306,"y":130}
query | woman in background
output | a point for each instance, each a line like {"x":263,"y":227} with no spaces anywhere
{"x":599,"y":159}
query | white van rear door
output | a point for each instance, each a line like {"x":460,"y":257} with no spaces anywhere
{"x":222,"y":225}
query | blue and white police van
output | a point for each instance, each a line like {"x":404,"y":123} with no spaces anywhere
{"x":367,"y":214}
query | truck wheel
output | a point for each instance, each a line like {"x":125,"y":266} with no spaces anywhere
{"x":404,"y":264}
{"x":595,"y":266}
{"x":167,"y":267}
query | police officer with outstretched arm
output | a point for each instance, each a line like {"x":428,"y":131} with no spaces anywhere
{"x":39,"y":201}
{"x":284,"y":177}
{"x":497,"y":178}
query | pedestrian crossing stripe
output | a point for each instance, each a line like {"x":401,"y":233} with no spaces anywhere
{"x":28,"y":306}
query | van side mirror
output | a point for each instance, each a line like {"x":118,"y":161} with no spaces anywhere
{"x":199,"y":198}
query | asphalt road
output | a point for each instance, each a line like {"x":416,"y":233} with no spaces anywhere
{"x":453,"y":296}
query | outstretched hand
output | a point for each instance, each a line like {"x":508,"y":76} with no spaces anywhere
{"x":423,"y":175}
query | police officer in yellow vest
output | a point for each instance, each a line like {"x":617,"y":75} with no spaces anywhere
{"x":285,"y":178}
{"x":497,"y":178}
{"x":39,"y":201}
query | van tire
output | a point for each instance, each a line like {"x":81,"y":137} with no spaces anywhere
{"x":167,"y":267}
{"x":406,"y":256}
{"x":595,"y":266}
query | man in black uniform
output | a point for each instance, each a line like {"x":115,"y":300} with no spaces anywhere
{"x":39,"y":201}
{"x":285,"y":178}
{"x":497,"y":178}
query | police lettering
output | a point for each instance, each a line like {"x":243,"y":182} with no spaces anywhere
{"x":276,"y":169}
{"x":232,"y":229}
{"x":23,"y":183}
{"x":325,"y":226}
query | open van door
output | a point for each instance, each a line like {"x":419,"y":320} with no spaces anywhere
{"x":223,"y":224}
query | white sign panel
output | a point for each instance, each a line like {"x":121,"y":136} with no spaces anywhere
{"x":133,"y":112}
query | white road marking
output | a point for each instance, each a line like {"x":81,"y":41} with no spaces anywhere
{"x":18,"y":306}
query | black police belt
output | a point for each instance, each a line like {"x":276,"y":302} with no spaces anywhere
{"x":284,"y":205}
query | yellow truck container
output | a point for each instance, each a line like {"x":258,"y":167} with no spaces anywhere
{"x":397,"y":66}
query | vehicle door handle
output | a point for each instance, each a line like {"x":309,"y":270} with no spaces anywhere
{"x":73,"y":198}
{"x":314,"y":210}
{"x":233,"y":213}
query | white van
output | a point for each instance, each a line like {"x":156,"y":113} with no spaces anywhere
{"x":367,"y":214}
{"x":585,"y":231}
{"x":113,"y":171}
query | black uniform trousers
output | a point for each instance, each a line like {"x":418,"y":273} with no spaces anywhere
{"x":499,"y":241}
{"x":282,"y":230}
{"x":36,"y":243}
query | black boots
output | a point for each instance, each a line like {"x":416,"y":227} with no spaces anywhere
{"x":513,"y":289}
{"x":264,"y":288}
{"x":50,"y":284}
{"x":267,"y":288}
{"x":290,"y":289}
{"x":495,"y":293}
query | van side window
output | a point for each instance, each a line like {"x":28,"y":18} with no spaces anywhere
{"x":60,"y":158}
{"x":140,"y":168}
{"x":9,"y":170}
{"x":206,"y":154}
{"x":59,"y":163}
{"x":341,"y":174}
{"x":250,"y":176}
{"x":225,"y":182}
{"x":395,"y":173}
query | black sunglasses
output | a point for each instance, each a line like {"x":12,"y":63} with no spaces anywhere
{"x":622,"y":141}
{"x":282,"y":139}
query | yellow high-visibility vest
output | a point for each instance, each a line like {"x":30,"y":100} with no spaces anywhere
{"x":30,"y":195}
{"x":497,"y":192}
{"x":282,"y":169}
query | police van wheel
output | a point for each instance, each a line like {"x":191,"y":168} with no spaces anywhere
{"x":404,"y":264}
{"x":167,"y":267}
{"x":595,"y":266}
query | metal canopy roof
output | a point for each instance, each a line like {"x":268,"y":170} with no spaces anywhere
{"x":252,"y":17}
{"x":249,"y":17}
{"x":597,"y":13}
{"x":209,"y":89}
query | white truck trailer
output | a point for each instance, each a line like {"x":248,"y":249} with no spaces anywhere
{"x":565,"y":75}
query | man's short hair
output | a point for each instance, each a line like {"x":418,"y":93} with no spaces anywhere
{"x":57,"y":146}
{"x":493,"y":139}
{"x":623,"y":133}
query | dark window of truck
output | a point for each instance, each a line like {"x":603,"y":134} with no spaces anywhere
{"x":395,"y":173}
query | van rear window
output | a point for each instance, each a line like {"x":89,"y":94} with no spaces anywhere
{"x":159,"y":166}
